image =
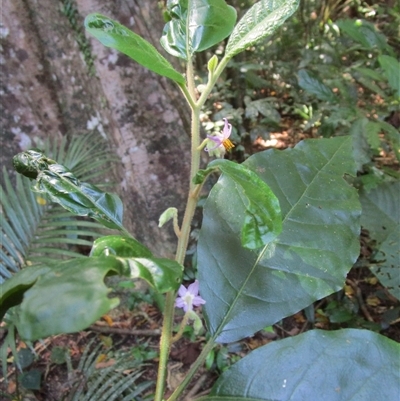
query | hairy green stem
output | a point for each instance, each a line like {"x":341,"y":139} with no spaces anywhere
{"x":165,"y":344}
{"x":194,"y":192}
{"x":166,"y":334}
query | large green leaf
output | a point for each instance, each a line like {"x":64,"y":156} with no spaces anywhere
{"x":345,"y":365}
{"x":391,"y":68}
{"x":112,"y":34}
{"x":247,"y":290}
{"x":63,"y":187}
{"x":260,"y":21}
{"x":196,"y":25}
{"x":72,"y":295}
{"x":260,"y":216}
{"x":381,"y":216}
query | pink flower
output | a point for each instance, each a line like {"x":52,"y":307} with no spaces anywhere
{"x":220,"y":141}
{"x":188,"y":297}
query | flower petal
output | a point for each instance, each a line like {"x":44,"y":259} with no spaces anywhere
{"x":194,"y":288}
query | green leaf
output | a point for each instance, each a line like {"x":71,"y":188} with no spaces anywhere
{"x":261,"y":20}
{"x":264,"y":107}
{"x":391,"y":68}
{"x":13,"y":289}
{"x":381,"y":217}
{"x":312,"y":84}
{"x":163,"y":274}
{"x":60,"y":299}
{"x":31,"y":380}
{"x":112,"y":34}
{"x":344,"y":365}
{"x":196,"y":25}
{"x":63,"y":187}
{"x":260,"y":214}
{"x":372,"y":130}
{"x":363,"y":32}
{"x":72,"y":295}
{"x":119,"y":245}
{"x":380,"y":210}
{"x":388,"y":269}
{"x":310,"y":258}
{"x":361,"y":150}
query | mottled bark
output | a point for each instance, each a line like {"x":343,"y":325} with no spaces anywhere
{"x":47,"y":91}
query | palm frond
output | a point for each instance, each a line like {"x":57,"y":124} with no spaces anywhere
{"x":112,"y":383}
{"x":33,"y":230}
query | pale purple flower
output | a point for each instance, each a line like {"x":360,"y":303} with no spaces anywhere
{"x":220,"y":141}
{"x":189,"y":297}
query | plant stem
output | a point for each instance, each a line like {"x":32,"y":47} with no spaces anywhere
{"x":165,"y":343}
{"x":166,"y":334}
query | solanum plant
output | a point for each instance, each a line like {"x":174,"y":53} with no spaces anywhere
{"x":280,"y":231}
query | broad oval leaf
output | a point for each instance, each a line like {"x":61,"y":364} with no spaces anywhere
{"x":260,"y":21}
{"x":63,"y":187}
{"x":196,"y":25}
{"x":112,"y":34}
{"x":260,"y":217}
{"x":119,"y":245}
{"x":247,"y":290}
{"x":356,"y":365}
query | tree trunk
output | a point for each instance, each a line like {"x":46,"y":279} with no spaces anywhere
{"x":49,"y":91}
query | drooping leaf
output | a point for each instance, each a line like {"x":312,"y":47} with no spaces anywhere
{"x":391,"y":68}
{"x":63,"y":187}
{"x":261,"y":20}
{"x":260,"y":215}
{"x":196,"y":25}
{"x":60,"y":299}
{"x":70,"y":296}
{"x":344,"y":365}
{"x":161,"y":273}
{"x":247,"y":290}
{"x":381,"y":216}
{"x":312,"y":84}
{"x":112,"y":34}
{"x":119,"y":245}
